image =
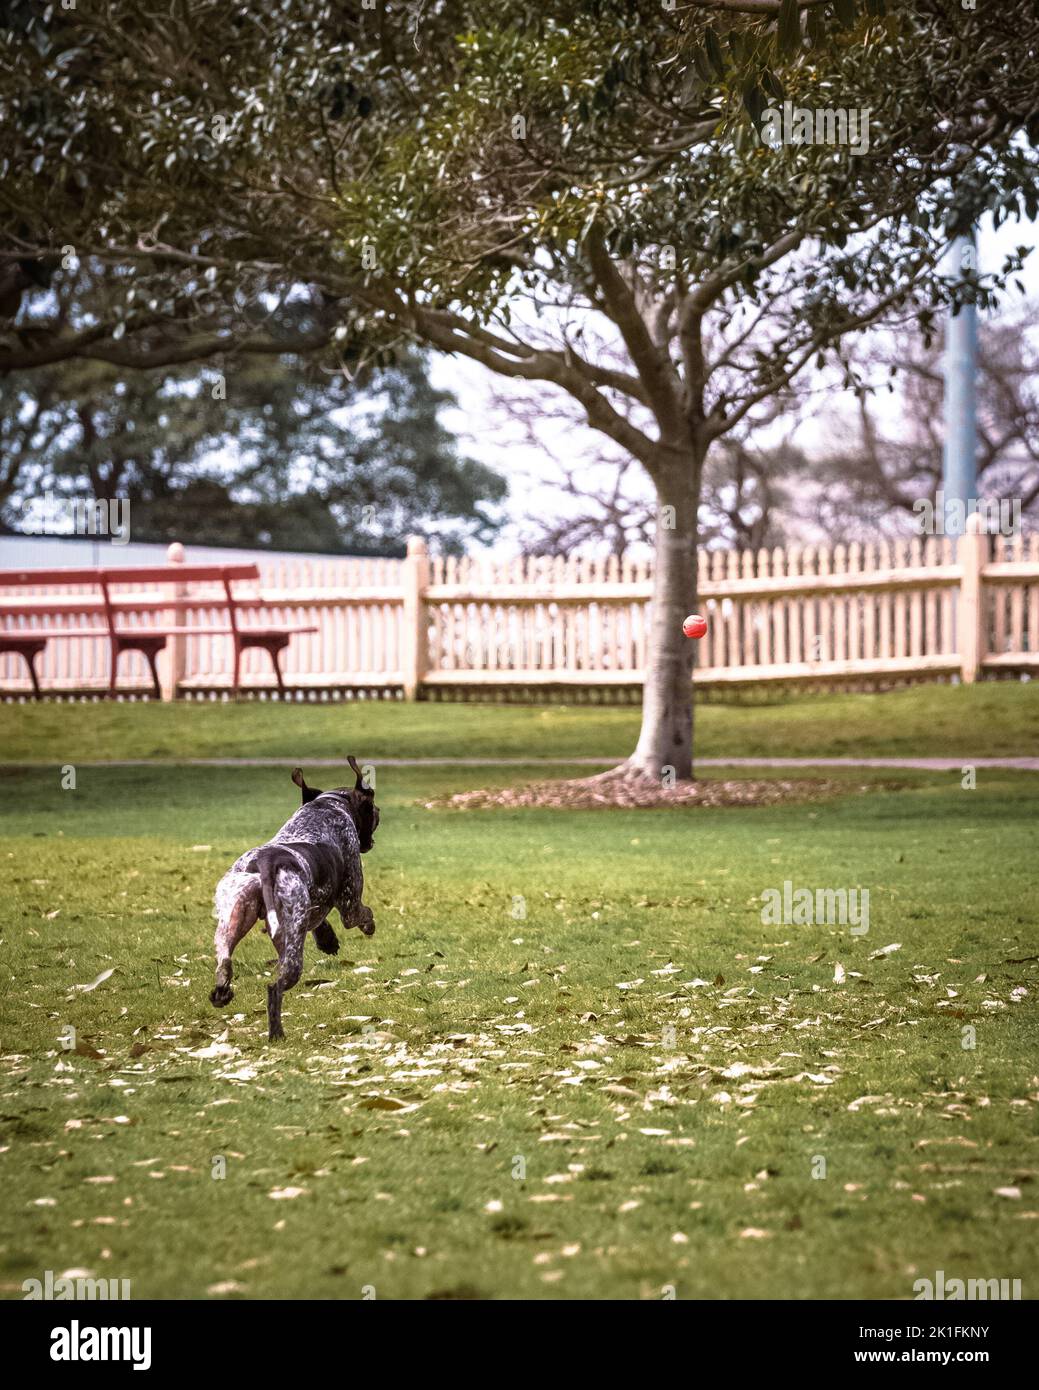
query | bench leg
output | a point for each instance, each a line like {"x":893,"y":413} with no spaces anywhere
{"x":276,"y":658}
{"x":29,"y":657}
{"x":148,"y":649}
{"x":151,"y":654}
{"x":30,"y":661}
{"x":237,"y":664}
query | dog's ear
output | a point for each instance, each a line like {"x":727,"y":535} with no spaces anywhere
{"x":366,"y":819}
{"x":309,"y":793}
{"x":363,"y":809}
{"x":359,"y":785}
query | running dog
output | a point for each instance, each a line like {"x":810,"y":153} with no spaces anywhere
{"x":293,"y":881}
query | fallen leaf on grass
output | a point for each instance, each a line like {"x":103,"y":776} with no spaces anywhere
{"x":958,"y":1139}
{"x":740,"y":1069}
{"x":216,"y":1049}
{"x":85,"y":989}
{"x":386,"y":1103}
{"x":856,"y":1105}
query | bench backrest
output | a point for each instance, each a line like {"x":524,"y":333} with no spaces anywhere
{"x":130,"y":574}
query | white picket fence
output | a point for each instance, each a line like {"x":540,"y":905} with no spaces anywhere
{"x":440,"y":627}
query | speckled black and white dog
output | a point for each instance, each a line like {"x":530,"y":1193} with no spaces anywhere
{"x":312,"y":865}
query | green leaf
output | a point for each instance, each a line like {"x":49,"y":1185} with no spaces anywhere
{"x":772,"y":85}
{"x":788,"y":29}
{"x":700,"y":63}
{"x":754,"y":101}
{"x":816,"y":27}
{"x":714,"y":52}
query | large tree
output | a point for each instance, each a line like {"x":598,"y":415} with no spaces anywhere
{"x":495,"y":182}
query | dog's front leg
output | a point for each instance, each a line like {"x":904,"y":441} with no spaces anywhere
{"x":354,"y":913}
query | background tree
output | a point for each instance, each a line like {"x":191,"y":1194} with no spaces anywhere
{"x":286,"y":458}
{"x":844,"y":465}
{"x":492,"y":182}
{"x":882,"y":452}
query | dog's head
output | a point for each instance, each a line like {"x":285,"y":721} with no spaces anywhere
{"x":360,"y":800}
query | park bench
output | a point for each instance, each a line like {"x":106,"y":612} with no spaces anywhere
{"x":29,"y":642}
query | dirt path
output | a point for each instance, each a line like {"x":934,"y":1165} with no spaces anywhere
{"x":915,"y":764}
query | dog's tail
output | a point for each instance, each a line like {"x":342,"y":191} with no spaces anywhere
{"x":269,"y":861}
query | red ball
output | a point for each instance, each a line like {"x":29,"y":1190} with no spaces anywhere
{"x":694,"y":626}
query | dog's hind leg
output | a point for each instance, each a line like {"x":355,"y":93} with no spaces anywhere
{"x":325,"y":938}
{"x":290,"y":967}
{"x":238,"y":905}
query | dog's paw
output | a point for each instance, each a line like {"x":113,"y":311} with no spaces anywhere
{"x":366,"y":921}
{"x":223,"y":994}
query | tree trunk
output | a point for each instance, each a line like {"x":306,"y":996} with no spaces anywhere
{"x":665,"y":746}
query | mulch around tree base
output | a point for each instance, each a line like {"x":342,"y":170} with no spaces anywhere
{"x":598,"y":793}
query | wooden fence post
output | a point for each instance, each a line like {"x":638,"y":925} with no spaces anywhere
{"x":176,"y":647}
{"x":971,"y":553}
{"x":414,"y":637}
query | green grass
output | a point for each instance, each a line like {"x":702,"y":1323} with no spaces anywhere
{"x":515,"y":1124}
{"x":987,"y":720}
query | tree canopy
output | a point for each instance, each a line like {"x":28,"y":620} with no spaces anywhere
{"x":213,"y":154}
{"x":524,"y":188}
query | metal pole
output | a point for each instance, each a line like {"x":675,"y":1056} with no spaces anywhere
{"x":959,"y":478}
